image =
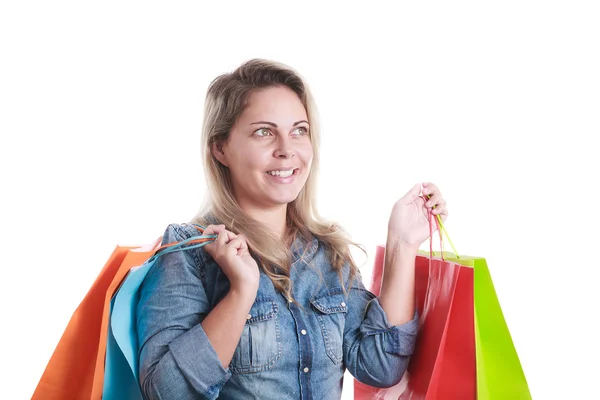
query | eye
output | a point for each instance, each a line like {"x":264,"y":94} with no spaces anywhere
{"x":301,"y":131}
{"x":263,"y":132}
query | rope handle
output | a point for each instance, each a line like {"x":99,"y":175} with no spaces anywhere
{"x":441,"y":230}
{"x":190,"y":243}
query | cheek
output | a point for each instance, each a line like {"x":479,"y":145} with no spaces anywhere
{"x":305,"y":153}
{"x":252,"y":161}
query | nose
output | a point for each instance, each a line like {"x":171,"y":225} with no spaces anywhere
{"x":284,"y":149}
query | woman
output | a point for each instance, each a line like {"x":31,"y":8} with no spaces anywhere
{"x":275,"y":308}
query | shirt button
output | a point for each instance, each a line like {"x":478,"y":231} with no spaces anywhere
{"x":249,"y":316}
{"x":343,"y":304}
{"x":305,"y":369}
{"x":303,"y":332}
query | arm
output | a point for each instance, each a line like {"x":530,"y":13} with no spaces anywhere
{"x":225,"y":323}
{"x":376,"y":352}
{"x":410,"y":224}
{"x":397,"y":296}
{"x":176,"y":329}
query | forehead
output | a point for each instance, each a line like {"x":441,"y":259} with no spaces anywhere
{"x":275,"y":104}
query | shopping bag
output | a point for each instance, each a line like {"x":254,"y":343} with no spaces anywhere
{"x":499,"y":371}
{"x":76,"y":368}
{"x":460,"y":315}
{"x":443,"y":363}
{"x":121,"y":380}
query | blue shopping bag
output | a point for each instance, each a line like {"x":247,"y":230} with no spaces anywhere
{"x":121,"y":377}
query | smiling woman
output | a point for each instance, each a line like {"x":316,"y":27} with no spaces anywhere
{"x":275,"y":308}
{"x":269,"y":151}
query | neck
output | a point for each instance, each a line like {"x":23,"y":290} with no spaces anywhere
{"x":274,"y":219}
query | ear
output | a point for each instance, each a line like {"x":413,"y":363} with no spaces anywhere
{"x":218,"y":153}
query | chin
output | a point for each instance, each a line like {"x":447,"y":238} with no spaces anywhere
{"x":281,"y":200}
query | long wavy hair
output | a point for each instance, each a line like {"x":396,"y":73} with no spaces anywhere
{"x":226,"y":98}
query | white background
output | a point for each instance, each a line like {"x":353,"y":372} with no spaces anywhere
{"x":496,"y":102}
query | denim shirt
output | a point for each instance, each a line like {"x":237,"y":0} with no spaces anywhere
{"x":286,"y":351}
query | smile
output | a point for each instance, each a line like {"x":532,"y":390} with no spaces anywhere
{"x":283,"y":173}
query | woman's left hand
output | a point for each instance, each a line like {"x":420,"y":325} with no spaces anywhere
{"x":409,"y":221}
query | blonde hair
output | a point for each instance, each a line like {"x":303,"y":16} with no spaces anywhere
{"x":226,"y":99}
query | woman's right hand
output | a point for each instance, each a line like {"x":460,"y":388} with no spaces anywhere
{"x":231,"y":253}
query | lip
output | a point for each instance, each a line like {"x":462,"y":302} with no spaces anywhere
{"x":283,"y":168}
{"x":279,"y":179}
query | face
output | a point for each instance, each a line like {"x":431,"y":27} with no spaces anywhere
{"x":269,"y":151}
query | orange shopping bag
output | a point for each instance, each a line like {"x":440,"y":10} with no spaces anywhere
{"x":76,"y":369}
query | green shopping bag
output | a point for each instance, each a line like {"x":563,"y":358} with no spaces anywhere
{"x":499,"y":371}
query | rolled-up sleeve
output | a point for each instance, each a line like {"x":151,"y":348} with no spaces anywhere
{"x":376,"y":353}
{"x":177,"y":360}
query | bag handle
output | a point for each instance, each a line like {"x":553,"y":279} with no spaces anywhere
{"x":441,"y":230}
{"x":194,"y":242}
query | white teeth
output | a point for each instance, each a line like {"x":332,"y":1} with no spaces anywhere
{"x":283,"y":174}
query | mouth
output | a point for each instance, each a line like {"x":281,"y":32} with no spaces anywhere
{"x":284,"y":173}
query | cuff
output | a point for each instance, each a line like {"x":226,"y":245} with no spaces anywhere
{"x":399,"y":339}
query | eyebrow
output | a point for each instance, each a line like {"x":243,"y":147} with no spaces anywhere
{"x":273,"y":124}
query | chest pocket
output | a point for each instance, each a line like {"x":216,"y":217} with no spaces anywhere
{"x":331,"y":313}
{"x":260,"y":346}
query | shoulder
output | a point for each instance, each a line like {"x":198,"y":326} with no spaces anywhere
{"x":176,"y":232}
{"x":179,"y":232}
{"x":348,"y":275}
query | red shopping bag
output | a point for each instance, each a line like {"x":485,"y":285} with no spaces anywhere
{"x":443,"y":365}
{"x":76,"y":369}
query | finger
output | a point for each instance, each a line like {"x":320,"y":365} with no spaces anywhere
{"x":222,"y":238}
{"x":213,"y":229}
{"x":412,"y":194}
{"x":238,"y":245}
{"x":441,"y":209}
{"x":225,"y":237}
{"x":439,"y":206}
{"x":243,"y":242}
{"x":435,"y":201}
{"x":443,"y":214}
{"x":430,"y":189}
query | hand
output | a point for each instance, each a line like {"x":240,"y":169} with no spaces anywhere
{"x":231,"y":253}
{"x":409,"y":221}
